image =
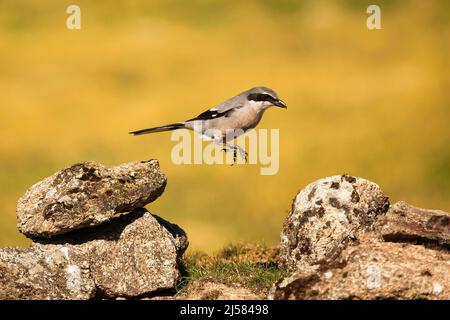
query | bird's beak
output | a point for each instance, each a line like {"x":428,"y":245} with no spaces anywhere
{"x":280,"y":103}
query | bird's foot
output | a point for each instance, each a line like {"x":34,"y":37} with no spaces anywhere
{"x":235,"y":150}
{"x":234,"y":154}
{"x":242,"y":153}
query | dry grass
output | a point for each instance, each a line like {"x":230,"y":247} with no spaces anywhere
{"x":371,"y":103}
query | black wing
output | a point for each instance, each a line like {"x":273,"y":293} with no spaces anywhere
{"x":214,"y":114}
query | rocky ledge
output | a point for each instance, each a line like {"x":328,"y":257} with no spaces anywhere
{"x":342,"y":239}
{"x":87,"y":194}
{"x":82,"y":248}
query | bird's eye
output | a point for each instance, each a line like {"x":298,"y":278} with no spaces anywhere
{"x":252,"y":97}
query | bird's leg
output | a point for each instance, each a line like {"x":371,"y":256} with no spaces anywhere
{"x":242,"y":152}
{"x":227,"y":148}
{"x":230,"y":148}
{"x":235,"y":148}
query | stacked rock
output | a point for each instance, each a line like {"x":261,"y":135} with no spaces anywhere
{"x":342,"y":240}
{"x":84,"y":246}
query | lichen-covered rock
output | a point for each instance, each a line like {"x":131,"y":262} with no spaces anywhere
{"x":131,"y":255}
{"x":325,"y":216}
{"x":178,"y":235}
{"x":212,"y":289}
{"x":404,"y":222}
{"x":374,"y":270}
{"x":45,"y":272}
{"x":87,"y":194}
{"x":143,"y":257}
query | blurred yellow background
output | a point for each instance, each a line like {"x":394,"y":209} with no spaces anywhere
{"x":375,"y":104}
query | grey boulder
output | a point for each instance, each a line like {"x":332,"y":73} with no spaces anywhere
{"x":136,"y":254}
{"x":132,"y":255}
{"x":325,"y":216}
{"x":404,"y":222}
{"x":87,"y":194}
{"x":45,"y":272}
{"x":373,"y":269}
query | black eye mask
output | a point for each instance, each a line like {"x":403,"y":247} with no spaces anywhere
{"x":260,"y":97}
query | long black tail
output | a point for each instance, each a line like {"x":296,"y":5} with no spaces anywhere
{"x":168,"y":127}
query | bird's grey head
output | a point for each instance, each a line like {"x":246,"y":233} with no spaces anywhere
{"x":263,"y":98}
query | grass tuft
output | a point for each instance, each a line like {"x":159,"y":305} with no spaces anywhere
{"x":247,"y":265}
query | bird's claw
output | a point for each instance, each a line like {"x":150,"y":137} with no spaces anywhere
{"x":235,"y":149}
{"x":243,"y":153}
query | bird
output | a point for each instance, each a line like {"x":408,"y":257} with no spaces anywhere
{"x":229,"y":119}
